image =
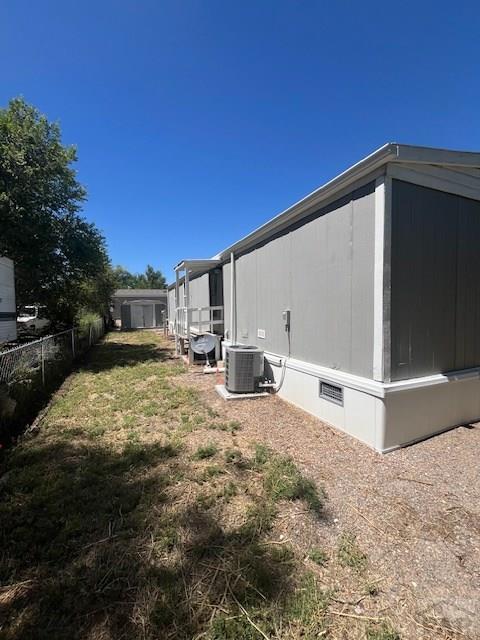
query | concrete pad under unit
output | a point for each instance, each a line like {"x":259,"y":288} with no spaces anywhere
{"x":227,"y":395}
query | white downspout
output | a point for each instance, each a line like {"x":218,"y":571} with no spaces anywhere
{"x":186,"y":298}
{"x":233,"y":295}
{"x":177,"y":303}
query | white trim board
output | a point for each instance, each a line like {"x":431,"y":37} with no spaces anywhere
{"x":373,"y":387}
{"x":379,"y":250}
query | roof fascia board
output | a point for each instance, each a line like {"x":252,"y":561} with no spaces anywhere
{"x":428,"y":155}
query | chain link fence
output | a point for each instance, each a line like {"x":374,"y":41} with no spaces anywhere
{"x":30,"y":372}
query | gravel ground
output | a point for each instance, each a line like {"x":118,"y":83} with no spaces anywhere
{"x":415,"y":511}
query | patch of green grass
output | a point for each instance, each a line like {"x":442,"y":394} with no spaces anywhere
{"x":96,"y":431}
{"x":381,"y":631}
{"x":371,"y":589}
{"x":206,"y":500}
{"x":129,"y":421}
{"x":259,"y":520}
{"x":235,"y":457}
{"x":212,"y":471}
{"x":231,"y":427}
{"x":349,"y":553}
{"x":133,"y":436}
{"x":262,"y":455}
{"x":307,"y":606}
{"x":283,"y":480}
{"x":205,"y":451}
{"x":319,"y":556}
{"x":191,"y":421}
{"x":282,"y":554}
{"x":151,"y":409}
{"x":212,"y":413}
{"x":229,"y":627}
{"x":166,"y":536}
{"x":229,"y":491}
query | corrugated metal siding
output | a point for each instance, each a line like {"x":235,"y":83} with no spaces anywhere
{"x":323,"y":272}
{"x":435,"y":280}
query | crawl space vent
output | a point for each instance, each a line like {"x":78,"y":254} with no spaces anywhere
{"x":331,"y":392}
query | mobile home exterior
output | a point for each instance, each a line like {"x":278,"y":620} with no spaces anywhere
{"x":379,"y":272}
{"x":8,"y":312}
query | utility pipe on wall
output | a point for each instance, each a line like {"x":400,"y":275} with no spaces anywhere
{"x":233,"y":296}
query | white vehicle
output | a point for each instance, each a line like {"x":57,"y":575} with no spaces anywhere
{"x":32,"y":319}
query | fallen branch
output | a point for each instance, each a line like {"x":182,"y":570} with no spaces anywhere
{"x":429,"y":484}
{"x":352,"y":615}
{"x":93,"y":544}
{"x":351,"y":603}
{"x":385,"y":533}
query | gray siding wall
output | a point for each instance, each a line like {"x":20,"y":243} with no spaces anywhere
{"x":199,"y":291}
{"x":171,"y":304}
{"x":323,"y":271}
{"x":435,"y":280}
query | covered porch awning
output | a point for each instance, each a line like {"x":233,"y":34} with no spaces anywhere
{"x":190,"y":267}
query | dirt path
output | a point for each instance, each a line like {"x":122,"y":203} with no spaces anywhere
{"x":416,"y":511}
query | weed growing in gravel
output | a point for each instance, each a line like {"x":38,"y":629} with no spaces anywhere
{"x":262,"y":455}
{"x":259,"y":520}
{"x":212,"y":471}
{"x":283,"y":480}
{"x":231,"y":427}
{"x":229,"y":491}
{"x":318,"y":556}
{"x":349,"y":554}
{"x":371,"y":589}
{"x":236,"y":458}
{"x":382,"y":631}
{"x":205,"y":451}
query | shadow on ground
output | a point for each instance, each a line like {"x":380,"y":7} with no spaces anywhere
{"x":124,"y":354}
{"x":86,"y":548}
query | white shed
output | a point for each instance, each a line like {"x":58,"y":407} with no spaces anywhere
{"x":140,"y":308}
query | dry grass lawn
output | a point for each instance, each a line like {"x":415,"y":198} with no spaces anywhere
{"x":143,"y":507}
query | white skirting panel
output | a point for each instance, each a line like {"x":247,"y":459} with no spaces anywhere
{"x":386,"y":416}
{"x":414,"y":414}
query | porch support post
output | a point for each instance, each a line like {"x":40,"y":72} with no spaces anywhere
{"x":177,"y":304}
{"x":187,"y":311}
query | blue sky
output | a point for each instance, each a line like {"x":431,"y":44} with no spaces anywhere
{"x":196,"y":121}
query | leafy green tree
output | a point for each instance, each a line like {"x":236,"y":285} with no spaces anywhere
{"x":123,"y":279}
{"x":150,"y":279}
{"x":60,"y":258}
{"x":154,"y":279}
